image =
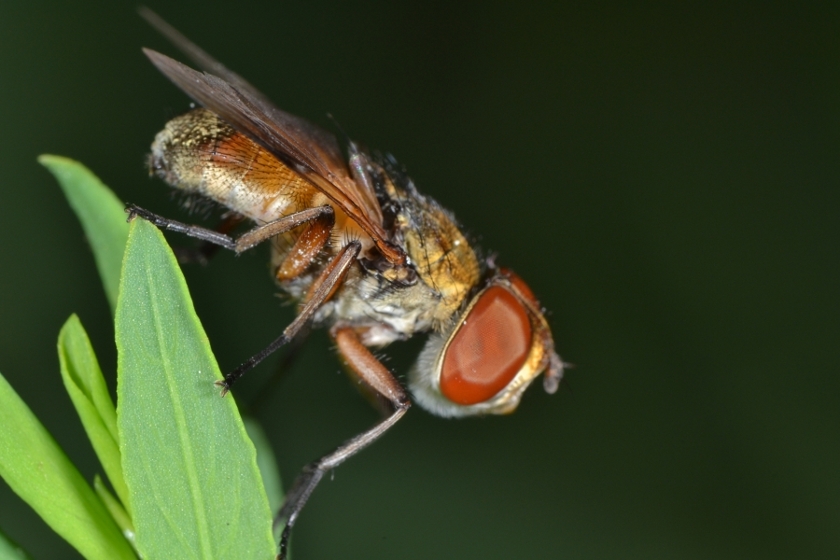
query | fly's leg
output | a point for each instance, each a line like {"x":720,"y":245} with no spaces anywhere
{"x":206,"y":250}
{"x":377,"y":376}
{"x":293,"y":351}
{"x":306,"y":247}
{"x":329,"y":280}
{"x":239,"y":244}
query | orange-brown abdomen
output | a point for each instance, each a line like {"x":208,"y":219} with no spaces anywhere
{"x":198,"y":152}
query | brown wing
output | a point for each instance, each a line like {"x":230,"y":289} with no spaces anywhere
{"x":199,"y":57}
{"x":314,"y":134}
{"x":309,"y":150}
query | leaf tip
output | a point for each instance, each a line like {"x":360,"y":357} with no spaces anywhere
{"x":51,"y":160}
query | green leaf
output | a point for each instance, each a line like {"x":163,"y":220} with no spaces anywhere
{"x":195,"y":489}
{"x":86,"y":386}
{"x":267,"y":464}
{"x":101,"y":213}
{"x":38,"y":471}
{"x":9,"y":550}
{"x":115,"y":508}
{"x":269,"y":470}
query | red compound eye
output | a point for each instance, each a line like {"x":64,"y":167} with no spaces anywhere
{"x":488,"y":349}
{"x":520,"y":285}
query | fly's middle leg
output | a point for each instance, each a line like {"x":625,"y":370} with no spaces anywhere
{"x":327,"y":283}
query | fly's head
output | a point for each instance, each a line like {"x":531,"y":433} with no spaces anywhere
{"x":487,"y":357}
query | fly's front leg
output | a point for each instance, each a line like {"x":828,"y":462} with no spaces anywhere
{"x":372,"y":372}
{"x":239,"y":244}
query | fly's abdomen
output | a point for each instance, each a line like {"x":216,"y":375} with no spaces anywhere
{"x":199,"y":153}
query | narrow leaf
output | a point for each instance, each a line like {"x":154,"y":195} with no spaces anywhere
{"x":115,"y":508}
{"x":86,"y":386}
{"x":101,"y":213}
{"x":195,"y":489}
{"x":38,"y":471}
{"x":267,"y":464}
{"x":9,"y":550}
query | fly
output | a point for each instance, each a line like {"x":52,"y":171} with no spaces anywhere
{"x":364,"y":253}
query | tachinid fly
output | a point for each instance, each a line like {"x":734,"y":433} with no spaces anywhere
{"x":362,"y":251}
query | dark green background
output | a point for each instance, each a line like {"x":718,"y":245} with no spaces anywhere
{"x":664,"y":177}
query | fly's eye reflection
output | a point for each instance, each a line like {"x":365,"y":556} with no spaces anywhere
{"x":363,"y":252}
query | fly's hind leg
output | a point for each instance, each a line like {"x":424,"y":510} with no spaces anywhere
{"x":205,"y":251}
{"x":377,"y":376}
{"x":239,"y":244}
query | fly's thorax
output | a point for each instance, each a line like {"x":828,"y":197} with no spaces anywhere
{"x":386,"y":303}
{"x":444,"y":261}
{"x":438,"y":251}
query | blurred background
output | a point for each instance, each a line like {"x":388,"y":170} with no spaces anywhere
{"x":664,"y":177}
